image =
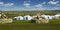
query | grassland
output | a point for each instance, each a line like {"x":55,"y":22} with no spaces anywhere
{"x":26,"y":25}
{"x":12,"y":14}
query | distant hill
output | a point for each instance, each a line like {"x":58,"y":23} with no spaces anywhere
{"x":12,"y":14}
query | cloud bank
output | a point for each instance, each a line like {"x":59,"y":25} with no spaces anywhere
{"x":7,"y":4}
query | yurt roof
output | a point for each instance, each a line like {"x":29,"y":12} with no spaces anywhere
{"x":43,"y":15}
{"x":34,"y":16}
{"x":57,"y":15}
{"x":15,"y":17}
{"x":19,"y":16}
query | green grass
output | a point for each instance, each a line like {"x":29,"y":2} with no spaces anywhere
{"x":12,"y":14}
{"x":26,"y":25}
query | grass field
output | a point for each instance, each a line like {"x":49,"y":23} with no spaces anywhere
{"x":11,"y":14}
{"x":26,"y":25}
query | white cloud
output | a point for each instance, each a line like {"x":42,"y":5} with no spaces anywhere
{"x":1,"y":3}
{"x":9,"y":4}
{"x":56,"y":8}
{"x":58,"y":4}
{"x":53,"y":2}
{"x":43,"y":3}
{"x":38,"y":5}
{"x":6,"y":5}
{"x":27,"y":4}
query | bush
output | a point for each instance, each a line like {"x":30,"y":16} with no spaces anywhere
{"x":33,"y":21}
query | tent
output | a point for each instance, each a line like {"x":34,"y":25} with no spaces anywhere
{"x":19,"y":18}
{"x":34,"y":17}
{"x":57,"y":15}
{"x":27,"y":17}
{"x":53,"y":17}
{"x":45,"y":16}
{"x":15,"y":18}
{"x":50,"y":17}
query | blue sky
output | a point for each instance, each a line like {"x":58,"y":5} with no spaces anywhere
{"x":29,"y":5}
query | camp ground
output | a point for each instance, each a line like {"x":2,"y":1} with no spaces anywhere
{"x":28,"y":17}
{"x":29,"y":14}
{"x":37,"y":18}
{"x":41,"y":16}
{"x":28,"y":22}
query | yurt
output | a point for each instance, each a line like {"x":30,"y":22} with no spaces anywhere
{"x":34,"y":17}
{"x":44,"y":16}
{"x":53,"y":17}
{"x":50,"y":17}
{"x":57,"y":15}
{"x":27,"y":17}
{"x":15,"y":18}
{"x":19,"y":18}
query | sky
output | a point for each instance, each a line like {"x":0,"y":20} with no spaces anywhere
{"x":12,"y":5}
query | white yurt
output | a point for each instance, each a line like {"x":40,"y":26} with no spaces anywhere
{"x":34,"y":17}
{"x":15,"y":18}
{"x":27,"y":17}
{"x":57,"y":15}
{"x":45,"y":16}
{"x":53,"y":17}
{"x":50,"y":17}
{"x":19,"y":18}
